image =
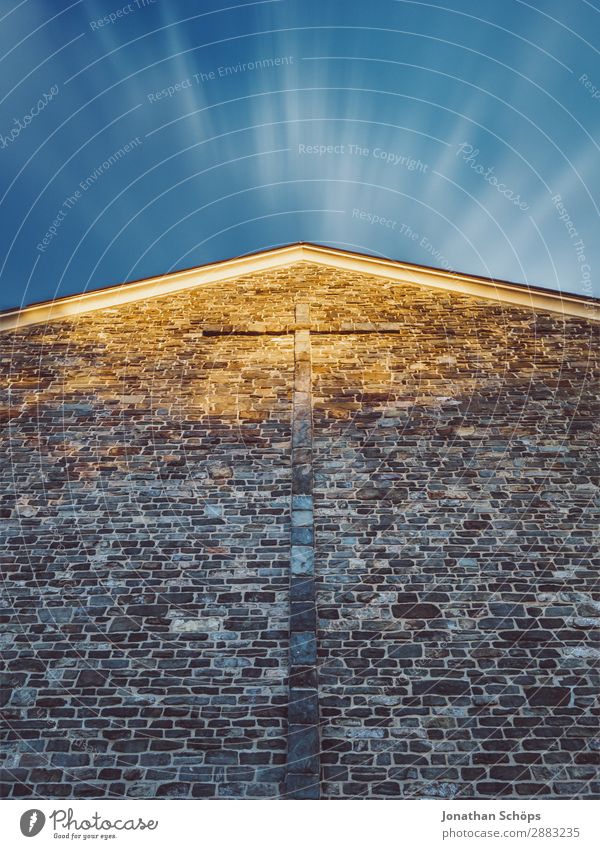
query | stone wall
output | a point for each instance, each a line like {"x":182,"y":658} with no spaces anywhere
{"x":146,"y":490}
{"x":145,"y":560}
{"x":456,"y":525}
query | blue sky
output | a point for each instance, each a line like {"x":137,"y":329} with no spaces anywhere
{"x":138,"y":138}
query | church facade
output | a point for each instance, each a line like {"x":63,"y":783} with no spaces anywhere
{"x":304,"y":524}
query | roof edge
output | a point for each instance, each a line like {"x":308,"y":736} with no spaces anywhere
{"x":534,"y":298}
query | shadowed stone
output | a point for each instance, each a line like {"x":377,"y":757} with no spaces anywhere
{"x":91,"y":678}
{"x":124,"y":624}
{"x":302,"y":589}
{"x":302,"y":786}
{"x":303,"y":707}
{"x":548,"y":696}
{"x":302,"y":432}
{"x":416,"y":611}
{"x":303,"y":677}
{"x":440,"y":686}
{"x":303,"y":615}
{"x":303,"y":647}
{"x":302,"y":479}
{"x":303,"y":749}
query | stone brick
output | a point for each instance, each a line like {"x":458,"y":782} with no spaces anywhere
{"x":416,"y":611}
{"x":303,"y":707}
{"x":550,"y":696}
{"x":302,"y":786}
{"x":441,"y":686}
{"x":303,"y":749}
{"x":303,"y":647}
{"x":302,"y":560}
{"x":303,"y":615}
{"x":91,"y":678}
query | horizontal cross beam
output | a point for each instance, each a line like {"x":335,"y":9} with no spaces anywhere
{"x":288,"y":330}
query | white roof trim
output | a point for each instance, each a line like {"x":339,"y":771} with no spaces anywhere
{"x":516,"y":295}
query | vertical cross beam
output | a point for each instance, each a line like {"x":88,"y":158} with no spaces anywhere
{"x":303,"y":761}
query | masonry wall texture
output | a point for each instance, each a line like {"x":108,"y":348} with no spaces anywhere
{"x":147,"y":531}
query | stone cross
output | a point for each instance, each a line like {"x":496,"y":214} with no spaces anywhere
{"x":303,"y":756}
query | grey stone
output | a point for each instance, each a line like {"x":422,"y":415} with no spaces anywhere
{"x":303,"y":647}
{"x":303,"y":749}
{"x":302,"y":560}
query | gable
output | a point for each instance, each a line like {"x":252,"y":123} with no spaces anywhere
{"x":530,"y":298}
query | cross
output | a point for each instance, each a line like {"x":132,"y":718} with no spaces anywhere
{"x":303,"y":760}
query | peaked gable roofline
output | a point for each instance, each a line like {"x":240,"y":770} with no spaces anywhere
{"x":534,"y":298}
